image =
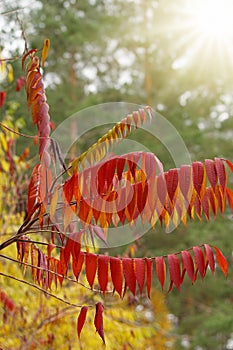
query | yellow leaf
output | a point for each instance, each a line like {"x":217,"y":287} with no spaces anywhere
{"x":10,"y":73}
{"x":2,"y":68}
{"x":45,"y":51}
{"x":5,"y":165}
{"x":68,"y":216}
{"x":53,"y":204}
{"x":3,"y":142}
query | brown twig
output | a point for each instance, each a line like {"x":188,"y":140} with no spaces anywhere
{"x":42,"y":290}
{"x":55,"y":273}
{"x":16,"y":132}
{"x":23,"y":32}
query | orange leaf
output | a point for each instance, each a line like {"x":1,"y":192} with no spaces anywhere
{"x":221,"y":261}
{"x":53,"y":203}
{"x":230,"y":165}
{"x":230,"y":198}
{"x":45,"y":51}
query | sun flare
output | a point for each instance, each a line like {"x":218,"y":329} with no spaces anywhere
{"x":206,"y":36}
{"x":213,"y":19}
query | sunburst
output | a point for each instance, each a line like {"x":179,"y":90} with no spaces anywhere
{"x":206,"y":32}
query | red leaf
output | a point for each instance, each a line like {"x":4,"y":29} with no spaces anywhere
{"x":91,"y":265}
{"x":187,"y":263}
{"x":211,"y":172}
{"x":20,"y":83}
{"x":198,"y":176}
{"x":75,"y":250}
{"x":206,"y":206}
{"x":120,"y":167}
{"x":230,"y":198}
{"x":77,"y":264}
{"x":174,"y":270}
{"x":98,"y":321}
{"x":2,"y":98}
{"x":199,"y":260}
{"x":140,"y":272}
{"x":221,"y":172}
{"x":26,"y":55}
{"x":185,"y":179}
{"x":103,"y":261}
{"x":230,"y":165}
{"x":210,"y":257}
{"x":68,"y":188}
{"x":172,"y":181}
{"x":67,"y":250}
{"x":149,"y":266}
{"x":221,"y":261}
{"x":116,"y":274}
{"x":81,"y":319}
{"x":161,"y":270}
{"x":129,"y":273}
{"x":34,"y":190}
{"x":63,"y":261}
{"x":161,"y":189}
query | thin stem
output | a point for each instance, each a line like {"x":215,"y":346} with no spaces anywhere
{"x":14,"y":131}
{"x":41,"y":290}
{"x":55,"y":273}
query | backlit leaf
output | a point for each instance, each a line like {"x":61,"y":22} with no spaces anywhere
{"x":160,"y":270}
{"x":149,"y":269}
{"x":116,"y":274}
{"x":103,"y":261}
{"x":210,"y":257}
{"x":91,"y":265}
{"x":45,"y":51}
{"x":199,"y":260}
{"x":140,"y":272}
{"x":221,"y":261}
{"x":129,"y":274}
{"x":174,"y":270}
{"x":187,"y":264}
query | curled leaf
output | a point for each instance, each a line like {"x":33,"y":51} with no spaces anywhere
{"x":98,"y":321}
